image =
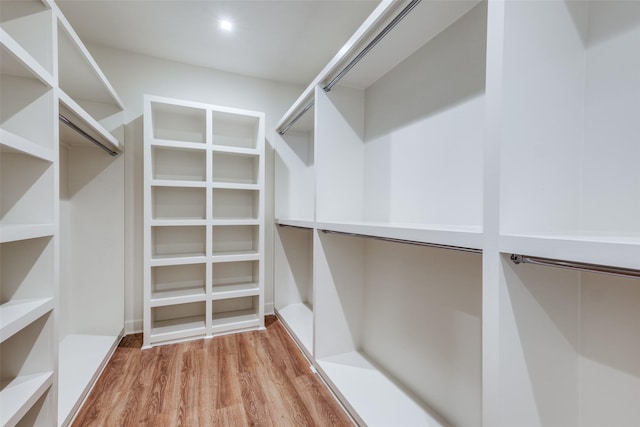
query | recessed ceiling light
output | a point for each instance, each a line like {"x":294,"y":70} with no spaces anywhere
{"x":226,"y":25}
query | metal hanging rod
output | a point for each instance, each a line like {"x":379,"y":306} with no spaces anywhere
{"x":580,"y":266}
{"x":408,"y":242}
{"x":73,"y":126}
{"x":357,"y":59}
{"x":295,"y":226}
{"x":372,"y":44}
{"x":296,"y":118}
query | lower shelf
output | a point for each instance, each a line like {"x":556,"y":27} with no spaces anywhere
{"x":18,"y":395}
{"x":235,"y":320}
{"x":299,"y":319}
{"x":178,"y":328}
{"x":376,"y":399}
{"x":82,"y":358}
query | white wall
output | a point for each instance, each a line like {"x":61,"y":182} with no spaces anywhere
{"x":133,"y":75}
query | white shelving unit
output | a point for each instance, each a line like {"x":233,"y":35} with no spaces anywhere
{"x":61,"y":201}
{"x":91,"y":220}
{"x":494,"y":127}
{"x":569,"y":137}
{"x":204,"y":220}
{"x":28,"y":215}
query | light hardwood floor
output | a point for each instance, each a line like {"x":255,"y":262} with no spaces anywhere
{"x":249,"y":379}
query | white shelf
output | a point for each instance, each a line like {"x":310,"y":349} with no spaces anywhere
{"x":235,"y":186}
{"x":178,"y":222}
{"x":20,"y":394}
{"x":79,"y":74}
{"x":82,"y":358}
{"x":236,"y":290}
{"x":18,"y":314}
{"x":177,"y":183}
{"x":235,"y":150}
{"x":236,"y":256}
{"x":458,"y":236}
{"x":294,"y":222}
{"x":10,"y":142}
{"x":172,"y":329}
{"x":16,"y":61}
{"x":169,"y":143}
{"x":298,"y":318}
{"x":604,"y":249}
{"x":71,"y":110}
{"x":177,"y":296}
{"x":15,"y":232}
{"x":235,"y":320}
{"x":376,"y":398}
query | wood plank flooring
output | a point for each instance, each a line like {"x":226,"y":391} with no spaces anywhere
{"x":250,"y":379}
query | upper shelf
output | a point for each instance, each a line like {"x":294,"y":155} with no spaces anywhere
{"x":425,"y":20}
{"x":29,"y":24}
{"x":79,"y":75}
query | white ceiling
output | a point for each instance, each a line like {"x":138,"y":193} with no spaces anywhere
{"x":285,"y":40}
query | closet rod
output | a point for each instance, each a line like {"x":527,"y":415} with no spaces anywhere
{"x":580,"y":266}
{"x":295,"y":226}
{"x":372,"y":44}
{"x":296,"y":118}
{"x":408,"y":242}
{"x":73,"y":126}
{"x":357,"y":59}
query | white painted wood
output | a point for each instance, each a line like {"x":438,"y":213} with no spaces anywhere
{"x":16,"y":61}
{"x":30,"y":24}
{"x":11,"y":142}
{"x":79,"y":75}
{"x":204,"y":218}
{"x":339,"y":154}
{"x":512,"y":130}
{"x":293,"y":279}
{"x":18,"y":232}
{"x":26,"y":101}
{"x":20,"y":394}
{"x":17,"y":314}
{"x":82,"y":359}
{"x":294,"y":189}
{"x":461,"y":236}
{"x":76,"y":114}
{"x":377,"y":400}
{"x":366,"y":31}
{"x":27,"y":370}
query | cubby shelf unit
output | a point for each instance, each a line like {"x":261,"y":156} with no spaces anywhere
{"x":204,"y":220}
{"x":491,"y":128}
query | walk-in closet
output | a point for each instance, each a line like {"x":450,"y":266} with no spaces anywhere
{"x":354,"y":213}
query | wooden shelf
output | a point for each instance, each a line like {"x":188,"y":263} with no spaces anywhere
{"x":18,"y":314}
